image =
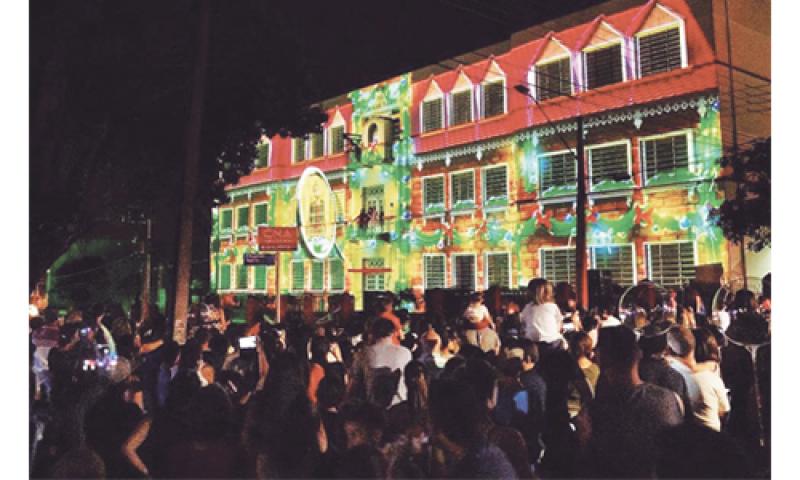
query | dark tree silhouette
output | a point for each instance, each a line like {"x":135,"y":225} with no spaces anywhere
{"x":746,"y":216}
{"x":110,"y":92}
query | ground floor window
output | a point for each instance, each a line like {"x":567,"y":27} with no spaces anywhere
{"x":671,"y":264}
{"x":224,"y":277}
{"x":464,"y":271}
{"x":317,"y":275}
{"x":241,"y":277}
{"x":260,"y":280}
{"x":617,"y":259}
{"x":498,"y":269}
{"x":374,"y":282}
{"x":336,"y":272}
{"x":558,"y":264}
{"x":434,"y":271}
{"x":298,"y":276}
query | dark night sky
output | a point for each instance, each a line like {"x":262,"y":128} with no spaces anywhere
{"x":350,"y":44}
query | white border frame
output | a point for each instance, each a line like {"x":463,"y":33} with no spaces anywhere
{"x":648,"y":257}
{"x":454,"y":271}
{"x":588,"y":151}
{"x":425,"y":272}
{"x":600,"y":46}
{"x":556,"y":247}
{"x":292,"y":266}
{"x":253,"y":215}
{"x":593,"y":262}
{"x":330,"y":276}
{"x":311,"y":276}
{"x":493,"y":77}
{"x":675,"y":133}
{"x":678,"y":20}
{"x":486,"y":267}
{"x":532,"y":80}
{"x":450,"y":203}
{"x":484,"y":199}
{"x":444,"y":194}
{"x":552,"y":154}
{"x":430,"y":97}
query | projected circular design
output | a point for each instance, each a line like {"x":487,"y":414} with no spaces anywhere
{"x":316,"y":211}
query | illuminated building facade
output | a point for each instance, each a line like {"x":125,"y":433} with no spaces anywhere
{"x":461,"y":181}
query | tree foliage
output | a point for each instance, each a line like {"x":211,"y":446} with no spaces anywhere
{"x":746,"y":215}
{"x":110,"y":91}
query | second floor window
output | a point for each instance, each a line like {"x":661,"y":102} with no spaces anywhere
{"x":493,"y":99}
{"x":226,"y":219}
{"x":557,"y":170}
{"x":463,"y":189}
{"x":337,"y":139}
{"x":461,"y":107}
{"x":260,"y":214}
{"x":316,"y":145}
{"x":299,"y":148}
{"x":495,"y":185}
{"x":665,"y":155}
{"x":243,"y":217}
{"x":553,"y":79}
{"x":432,"y":115}
{"x":604,"y":66}
{"x":433,"y":194}
{"x":609,"y":164}
{"x":659,"y":52}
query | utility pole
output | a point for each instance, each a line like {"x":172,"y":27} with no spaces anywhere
{"x":580,"y":222}
{"x":184,"y":264}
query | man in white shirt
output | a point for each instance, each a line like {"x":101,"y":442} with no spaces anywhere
{"x":385,"y":354}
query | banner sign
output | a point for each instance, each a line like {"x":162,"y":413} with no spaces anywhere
{"x":277,"y":239}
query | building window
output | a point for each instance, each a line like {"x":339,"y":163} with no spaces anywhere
{"x":262,"y":154}
{"x":461,"y":105}
{"x":553,"y":79}
{"x":317,"y":145}
{"x":374,"y":282}
{"x":557,"y":170}
{"x":241,"y":277}
{"x":603,"y":66}
{"x":225,"y":277}
{"x":260,"y":214}
{"x":317,"y":275}
{"x":660,"y":52}
{"x":433,"y":195}
{"x":298,"y":276}
{"x":298,"y":149}
{"x":616,"y":259}
{"x":432,"y":115}
{"x":336,"y":272}
{"x":462,"y":190}
{"x":373,"y":198}
{"x":558,"y":264}
{"x":495,"y":186}
{"x":464,"y":271}
{"x":337,"y":139}
{"x":498,"y":270}
{"x":242,"y":218}
{"x":433,"y":271}
{"x":260,"y":280}
{"x":671,"y":264}
{"x":665,"y":155}
{"x":494,"y":98}
{"x":226,"y":220}
{"x":609,"y":164}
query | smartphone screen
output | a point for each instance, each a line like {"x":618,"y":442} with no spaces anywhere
{"x":246,"y":343}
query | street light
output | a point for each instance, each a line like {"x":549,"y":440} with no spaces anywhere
{"x":580,"y":214}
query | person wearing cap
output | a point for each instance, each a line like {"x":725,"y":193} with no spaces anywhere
{"x":654,"y":368}
{"x":618,"y":430}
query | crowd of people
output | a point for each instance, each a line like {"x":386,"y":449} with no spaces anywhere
{"x":530,"y":388}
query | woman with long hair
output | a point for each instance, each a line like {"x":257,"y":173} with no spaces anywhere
{"x":707,"y":374}
{"x":541,"y":319}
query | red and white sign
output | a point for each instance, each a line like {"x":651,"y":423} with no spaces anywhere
{"x":277,"y":239}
